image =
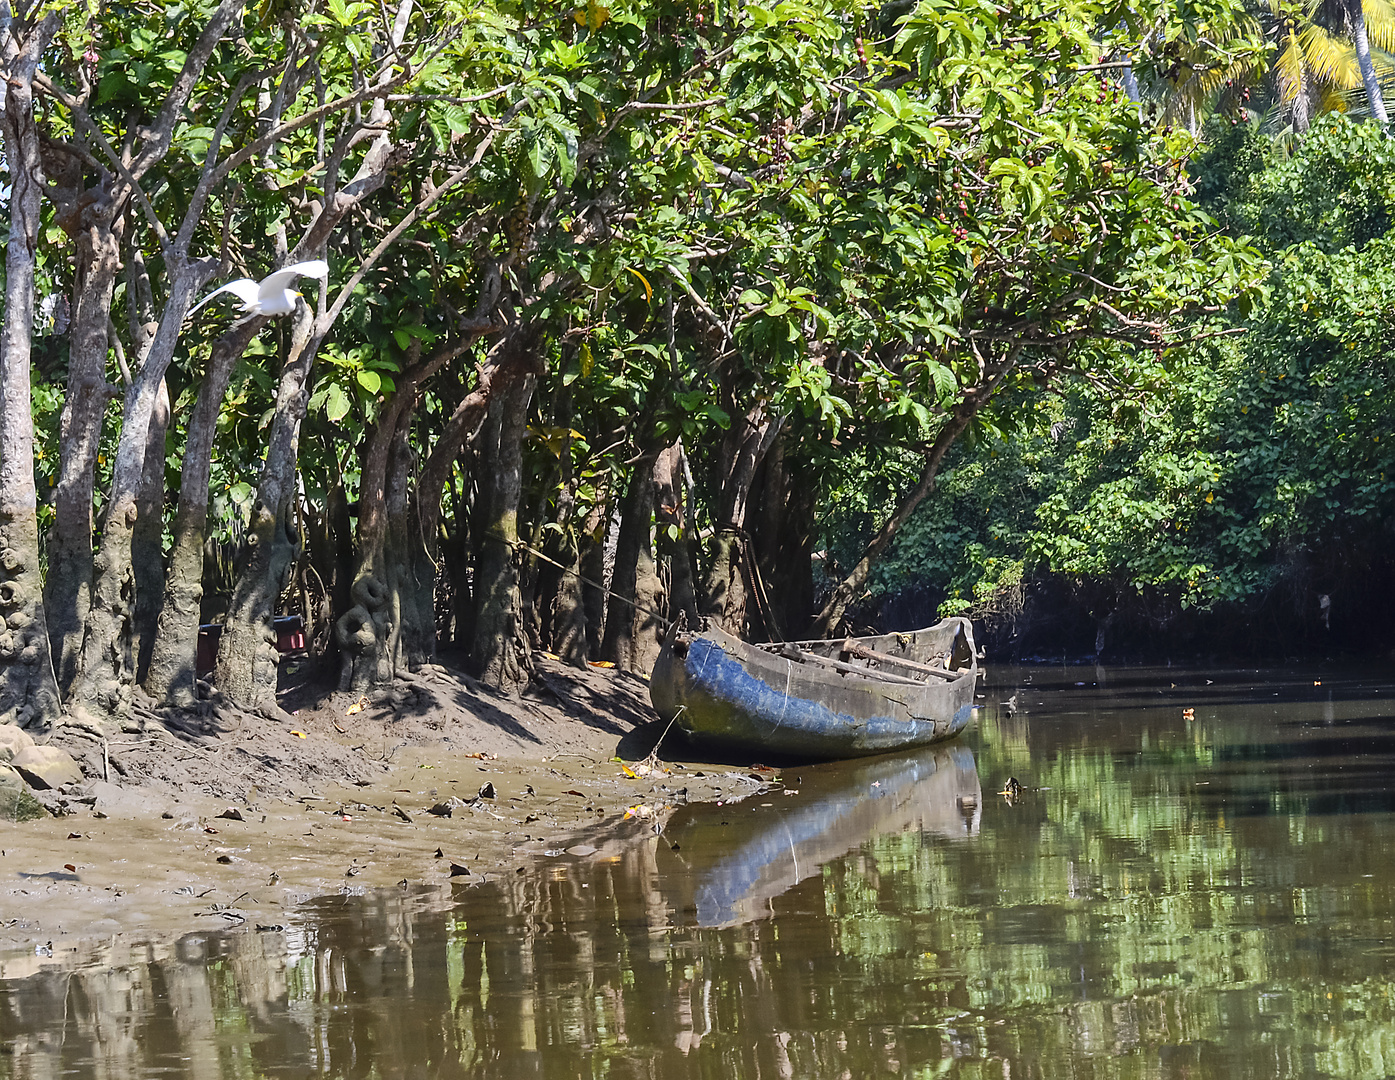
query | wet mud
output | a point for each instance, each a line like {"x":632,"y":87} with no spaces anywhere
{"x":202,"y":824}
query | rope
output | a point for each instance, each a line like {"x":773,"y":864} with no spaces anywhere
{"x":523,"y":545}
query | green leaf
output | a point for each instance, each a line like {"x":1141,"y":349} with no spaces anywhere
{"x":336,"y":404}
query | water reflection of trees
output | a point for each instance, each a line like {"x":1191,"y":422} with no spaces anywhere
{"x":1118,"y":922}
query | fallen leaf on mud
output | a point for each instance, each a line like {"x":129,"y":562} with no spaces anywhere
{"x":631,"y":773}
{"x":440,"y":854}
{"x":529,"y":818}
{"x":232,"y":813}
{"x":601,"y":663}
{"x":299,"y":734}
{"x":75,"y":836}
{"x":487,"y":791}
{"x":402,"y":814}
{"x":357,"y":707}
{"x":70,"y":867}
{"x":274,"y":928}
{"x":225,"y":858}
{"x":456,"y":870}
{"x":353,"y":871}
{"x":573,"y":792}
{"x":210,"y":830}
{"x":582,"y":849}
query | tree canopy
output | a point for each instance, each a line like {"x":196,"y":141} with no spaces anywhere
{"x":695,"y":302}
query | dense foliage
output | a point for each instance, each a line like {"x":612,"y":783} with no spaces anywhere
{"x":750,"y":312}
{"x":1253,"y":476}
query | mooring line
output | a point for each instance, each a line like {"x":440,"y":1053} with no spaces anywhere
{"x":523,"y":545}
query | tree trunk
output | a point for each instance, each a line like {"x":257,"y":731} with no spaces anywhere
{"x":634,"y":567}
{"x":498,"y":652}
{"x":724,"y":585}
{"x":673,"y":516}
{"x":28,"y":688}
{"x":1356,"y":19}
{"x":367,"y":633}
{"x":568,"y":615}
{"x":69,"y":589}
{"x":743,"y":450}
{"x":147,"y":542}
{"x":392,"y":619}
{"x":96,"y":661}
{"x":792,"y":582}
{"x":766,"y":534}
{"x":453,"y":551}
{"x":387,"y":628}
{"x":247,"y":657}
{"x":171,"y":673}
{"x":101,"y":686}
{"x":646,"y":639}
{"x":591,"y":561}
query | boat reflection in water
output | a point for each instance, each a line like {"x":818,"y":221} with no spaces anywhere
{"x":728,"y":863}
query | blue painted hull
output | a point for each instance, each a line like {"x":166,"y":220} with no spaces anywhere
{"x":723,"y":691}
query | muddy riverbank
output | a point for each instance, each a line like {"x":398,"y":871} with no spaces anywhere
{"x":193,"y":821}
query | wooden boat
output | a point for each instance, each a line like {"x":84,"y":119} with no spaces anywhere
{"x":819,"y":699}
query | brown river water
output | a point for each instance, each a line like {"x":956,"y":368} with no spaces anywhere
{"x":1169,"y":894}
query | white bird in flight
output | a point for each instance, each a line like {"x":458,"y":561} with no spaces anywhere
{"x":272,"y":295}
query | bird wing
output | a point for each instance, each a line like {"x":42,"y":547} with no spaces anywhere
{"x":272,"y":284}
{"x":245,"y":289}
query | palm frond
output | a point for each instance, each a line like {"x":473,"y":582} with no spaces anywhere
{"x":1380,"y":23}
{"x":1332,"y":100}
{"x":1331,"y":59}
{"x":1288,"y":69}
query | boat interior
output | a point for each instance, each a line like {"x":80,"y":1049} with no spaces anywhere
{"x":943,"y":652}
